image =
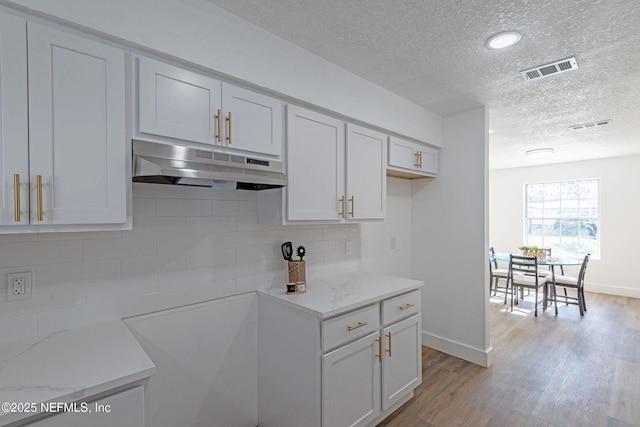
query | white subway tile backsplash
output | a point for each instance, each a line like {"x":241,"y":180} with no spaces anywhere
{"x":211,"y":224}
{"x":186,"y":278}
{"x":121,"y":288}
{"x":334,"y":233}
{"x":187,"y":207}
{"x":79,"y":271}
{"x":81,"y":315}
{"x":211,"y":291}
{"x":157,"y":226}
{"x":135,"y":306}
{"x":225,"y":208}
{"x":144,"y":208}
{"x":151,"y":264}
{"x":206,"y":258}
{"x":30,"y":253}
{"x":188,"y":245}
{"x":119,"y":248}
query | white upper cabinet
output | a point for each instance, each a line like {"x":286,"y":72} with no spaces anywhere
{"x":75,"y":169}
{"x":252,"y":121}
{"x":409,"y":159}
{"x":366,"y":181}
{"x":14,"y":138}
{"x":177,"y":103}
{"x":315,"y":163}
{"x":331,"y":178}
{"x":181,"y":104}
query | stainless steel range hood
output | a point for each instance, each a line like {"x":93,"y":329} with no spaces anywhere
{"x":181,"y":165}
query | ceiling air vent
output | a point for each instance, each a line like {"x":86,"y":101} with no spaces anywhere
{"x":550,"y":69}
{"x":591,"y":125}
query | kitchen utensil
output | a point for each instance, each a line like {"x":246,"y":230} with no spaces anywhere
{"x":287,"y":251}
{"x":301,"y":251}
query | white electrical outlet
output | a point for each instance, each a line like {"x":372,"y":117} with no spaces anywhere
{"x":18,"y":286}
{"x":347,"y":247}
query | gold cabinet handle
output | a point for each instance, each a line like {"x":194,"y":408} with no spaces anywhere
{"x":353,"y":206}
{"x":341,"y":200}
{"x":420,"y":159}
{"x":39,"y":195}
{"x":388,"y":335}
{"x":359,"y":325}
{"x":219,"y":128}
{"x":405,"y":307}
{"x":379,"y":355}
{"x":16,"y":196}
{"x":417,"y":164}
{"x":228,"y":120}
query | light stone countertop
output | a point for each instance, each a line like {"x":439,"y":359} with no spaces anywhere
{"x":330,"y":296}
{"x":68,"y":366}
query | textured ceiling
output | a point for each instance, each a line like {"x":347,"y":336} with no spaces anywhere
{"x":432,"y":53}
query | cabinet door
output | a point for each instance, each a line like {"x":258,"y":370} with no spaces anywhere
{"x":253,"y":122}
{"x":402,"y":154}
{"x":402,"y":360}
{"x":14,"y":136}
{"x":315,"y":163}
{"x":429,"y":160}
{"x":76,"y":129}
{"x":177,"y":103}
{"x":366,"y":180}
{"x":124,"y":409}
{"x":351,"y":384}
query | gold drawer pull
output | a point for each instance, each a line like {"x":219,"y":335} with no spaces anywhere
{"x":341,"y":213}
{"x":16,"y":197}
{"x":359,"y":325}
{"x":389,"y":349}
{"x":379,"y":355}
{"x":406,"y":307}
{"x":228,"y":120}
{"x":218,"y":118}
{"x":353,"y":206}
{"x":39,"y":195}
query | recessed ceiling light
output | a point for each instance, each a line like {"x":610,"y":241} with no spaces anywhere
{"x":491,"y":131}
{"x":539,"y":152}
{"x":503,"y":39}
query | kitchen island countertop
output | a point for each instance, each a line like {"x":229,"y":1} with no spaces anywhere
{"x":329,"y":296}
{"x":69,"y":366}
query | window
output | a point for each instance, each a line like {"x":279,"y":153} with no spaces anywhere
{"x":564,"y":216}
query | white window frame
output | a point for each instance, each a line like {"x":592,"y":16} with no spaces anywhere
{"x":560,"y":217}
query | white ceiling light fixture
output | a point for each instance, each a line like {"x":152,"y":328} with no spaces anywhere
{"x":503,"y":39}
{"x":539,"y":152}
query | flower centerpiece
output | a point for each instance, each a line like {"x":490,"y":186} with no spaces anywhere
{"x":535,"y":251}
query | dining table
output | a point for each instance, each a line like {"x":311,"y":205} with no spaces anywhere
{"x":552,"y":262}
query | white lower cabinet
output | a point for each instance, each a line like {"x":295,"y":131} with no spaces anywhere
{"x":124,"y":409}
{"x":351,"y":383}
{"x":353,"y":369}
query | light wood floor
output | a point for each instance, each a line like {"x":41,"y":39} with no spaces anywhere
{"x":563,"y":370}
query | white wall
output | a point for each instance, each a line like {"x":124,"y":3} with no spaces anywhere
{"x":450,"y":243}
{"x":617,"y":271}
{"x":203,"y":34}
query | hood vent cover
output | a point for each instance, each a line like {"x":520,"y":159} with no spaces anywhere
{"x":591,"y":125}
{"x":550,"y":69}
{"x":181,"y":165}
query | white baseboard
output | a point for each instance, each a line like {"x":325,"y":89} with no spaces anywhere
{"x":612,"y":290}
{"x":462,"y":351}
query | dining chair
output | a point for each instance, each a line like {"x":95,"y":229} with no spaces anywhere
{"x":577,"y":283}
{"x":521,"y":277}
{"x":495,"y":275}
